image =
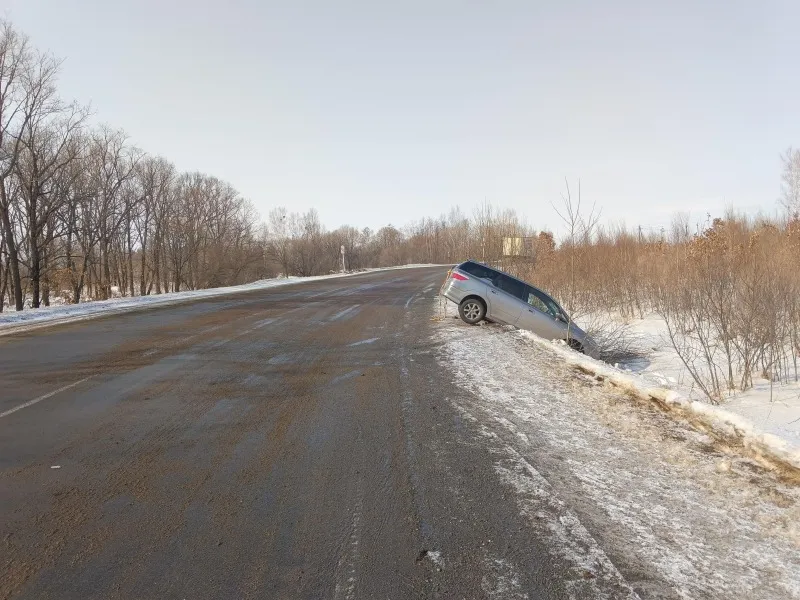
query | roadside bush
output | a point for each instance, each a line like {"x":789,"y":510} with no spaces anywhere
{"x":616,"y":339}
{"x":728,"y":293}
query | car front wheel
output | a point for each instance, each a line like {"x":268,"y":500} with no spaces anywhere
{"x":472,"y":311}
{"x":576,"y":345}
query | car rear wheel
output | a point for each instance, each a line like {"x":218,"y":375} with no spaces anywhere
{"x":472,"y":310}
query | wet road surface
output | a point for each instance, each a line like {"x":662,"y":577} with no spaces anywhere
{"x":285,"y":443}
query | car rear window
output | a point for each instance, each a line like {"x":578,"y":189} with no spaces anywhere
{"x":477,"y":270}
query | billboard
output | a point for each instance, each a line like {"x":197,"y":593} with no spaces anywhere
{"x":519,"y":246}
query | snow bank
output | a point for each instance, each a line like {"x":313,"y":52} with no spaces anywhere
{"x":724,"y":424}
{"x":13,"y":322}
{"x":773,"y":407}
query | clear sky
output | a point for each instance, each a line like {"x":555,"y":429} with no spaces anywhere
{"x":379,"y":112}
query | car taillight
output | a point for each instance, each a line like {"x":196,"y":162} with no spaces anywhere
{"x":459,"y":276}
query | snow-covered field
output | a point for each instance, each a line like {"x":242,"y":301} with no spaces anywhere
{"x":677,"y":514}
{"x":771,"y":409}
{"x":10,"y":319}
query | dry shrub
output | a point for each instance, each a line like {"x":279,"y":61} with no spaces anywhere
{"x":616,"y":339}
{"x":729,"y":293}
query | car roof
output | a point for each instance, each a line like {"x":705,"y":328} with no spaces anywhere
{"x":495,"y":269}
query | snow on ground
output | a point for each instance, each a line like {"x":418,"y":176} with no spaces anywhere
{"x":74,"y":312}
{"x":676,"y":514}
{"x":771,"y":409}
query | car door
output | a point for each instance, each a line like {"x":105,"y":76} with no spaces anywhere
{"x":506,"y":299}
{"x":540,"y":316}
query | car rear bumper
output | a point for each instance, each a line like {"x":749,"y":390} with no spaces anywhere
{"x":453,"y":292}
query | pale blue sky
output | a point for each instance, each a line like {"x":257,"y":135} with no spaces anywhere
{"x":383,"y":112}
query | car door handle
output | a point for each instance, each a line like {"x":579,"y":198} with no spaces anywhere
{"x":492,"y":291}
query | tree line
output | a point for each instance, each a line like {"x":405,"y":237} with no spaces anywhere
{"x":298,"y":244}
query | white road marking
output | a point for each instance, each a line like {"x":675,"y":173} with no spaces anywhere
{"x":221,"y":343}
{"x":362,"y":342}
{"x":265,"y":322}
{"x":409,"y":300}
{"x":181,"y":340}
{"x":44,"y":397}
{"x":346,"y":376}
{"x":339,"y":315}
{"x":258,"y":325}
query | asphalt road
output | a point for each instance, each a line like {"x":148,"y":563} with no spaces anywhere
{"x":284,"y":443}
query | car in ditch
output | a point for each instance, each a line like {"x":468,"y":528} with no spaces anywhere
{"x":484,"y":292}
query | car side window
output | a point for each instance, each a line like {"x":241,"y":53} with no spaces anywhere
{"x":511,"y":286}
{"x":536,"y":302}
{"x":542,"y":301}
{"x":484,"y":273}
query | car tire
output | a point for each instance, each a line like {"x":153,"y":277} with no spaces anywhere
{"x":472,"y":310}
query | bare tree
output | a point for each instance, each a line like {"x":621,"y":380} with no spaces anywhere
{"x":580,"y":227}
{"x":790,"y":183}
{"x":49,"y":148}
{"x":113,"y":163}
{"x":27,"y":90}
{"x":155,"y":176}
{"x":278,"y":242}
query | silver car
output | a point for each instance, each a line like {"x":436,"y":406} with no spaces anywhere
{"x":483,"y":292}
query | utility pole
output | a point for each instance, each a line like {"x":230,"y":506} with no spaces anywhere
{"x":342,"y":249}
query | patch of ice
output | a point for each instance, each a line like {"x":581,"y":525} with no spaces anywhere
{"x":596,"y":575}
{"x":436,"y":558}
{"x":501,"y":580}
